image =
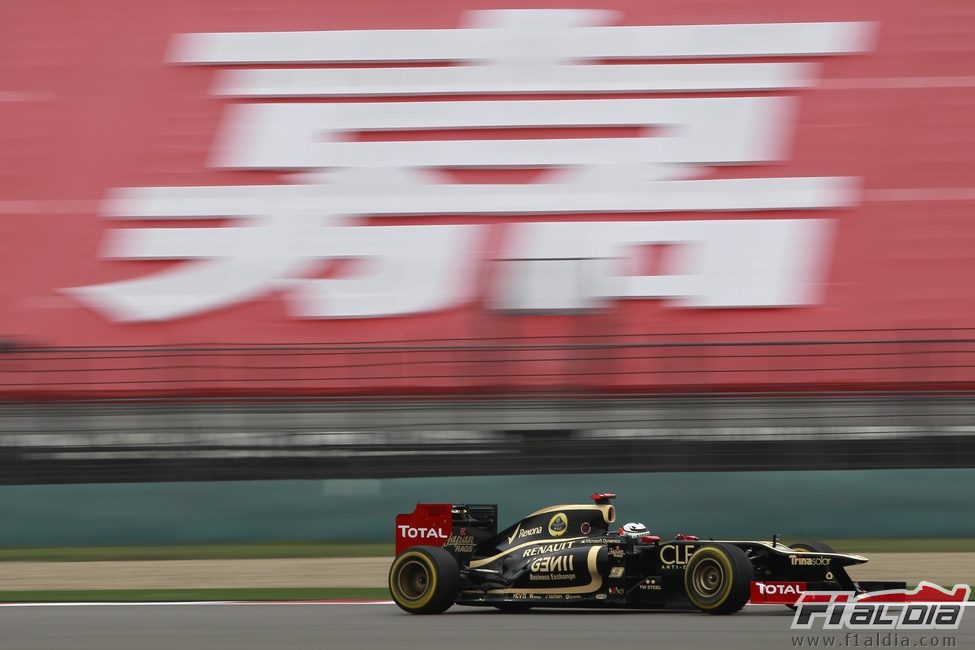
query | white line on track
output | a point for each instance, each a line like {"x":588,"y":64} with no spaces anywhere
{"x":204,"y":602}
{"x":295,"y":602}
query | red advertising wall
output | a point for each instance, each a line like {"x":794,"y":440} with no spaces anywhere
{"x":298,"y":172}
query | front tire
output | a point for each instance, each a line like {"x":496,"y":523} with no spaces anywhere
{"x":424,"y":580}
{"x":814,"y":547}
{"x":718,"y":579}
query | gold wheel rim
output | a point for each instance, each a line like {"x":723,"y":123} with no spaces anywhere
{"x":413,"y":580}
{"x":708,"y":578}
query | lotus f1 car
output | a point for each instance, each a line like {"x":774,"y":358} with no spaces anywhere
{"x":574,"y":556}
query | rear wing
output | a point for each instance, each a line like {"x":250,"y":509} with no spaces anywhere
{"x":458,"y":528}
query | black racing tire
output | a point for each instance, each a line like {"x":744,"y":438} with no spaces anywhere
{"x":424,"y":580}
{"x":512,"y":608}
{"x":815,"y":547}
{"x":718,"y":578}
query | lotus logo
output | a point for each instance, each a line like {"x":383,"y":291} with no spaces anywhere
{"x":558,"y":524}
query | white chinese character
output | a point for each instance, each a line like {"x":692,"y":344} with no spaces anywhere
{"x":283,"y":231}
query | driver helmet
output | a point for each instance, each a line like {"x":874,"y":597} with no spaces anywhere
{"x":633,"y":529}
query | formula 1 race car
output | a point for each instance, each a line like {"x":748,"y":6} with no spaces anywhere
{"x":573,"y":556}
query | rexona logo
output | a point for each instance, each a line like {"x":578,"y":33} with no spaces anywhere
{"x":411,"y":532}
{"x":325,"y":193}
{"x":558,"y":525}
{"x":928,"y":607}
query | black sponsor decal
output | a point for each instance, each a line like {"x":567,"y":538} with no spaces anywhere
{"x":675,"y":556}
{"x":460,"y":543}
{"x":546,"y":548}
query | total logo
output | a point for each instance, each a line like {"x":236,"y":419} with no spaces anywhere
{"x":412,"y":532}
{"x":779,"y":588}
{"x":785,"y":593}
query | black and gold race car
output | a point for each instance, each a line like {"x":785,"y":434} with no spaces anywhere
{"x":575,"y":556}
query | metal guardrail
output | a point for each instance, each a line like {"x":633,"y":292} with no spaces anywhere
{"x":165,"y":439}
{"x":736,"y":401}
{"x":698,"y":363}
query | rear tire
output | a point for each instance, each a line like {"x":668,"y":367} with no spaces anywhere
{"x":424,"y":580}
{"x":718,"y":578}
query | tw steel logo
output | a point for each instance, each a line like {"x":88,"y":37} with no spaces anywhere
{"x":282,"y":231}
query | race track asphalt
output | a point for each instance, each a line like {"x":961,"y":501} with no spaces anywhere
{"x":383,"y":626}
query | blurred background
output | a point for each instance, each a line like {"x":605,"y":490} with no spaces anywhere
{"x":276,"y":271}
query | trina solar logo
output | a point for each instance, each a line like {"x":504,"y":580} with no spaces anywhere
{"x":928,"y":607}
{"x":334,"y":167}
